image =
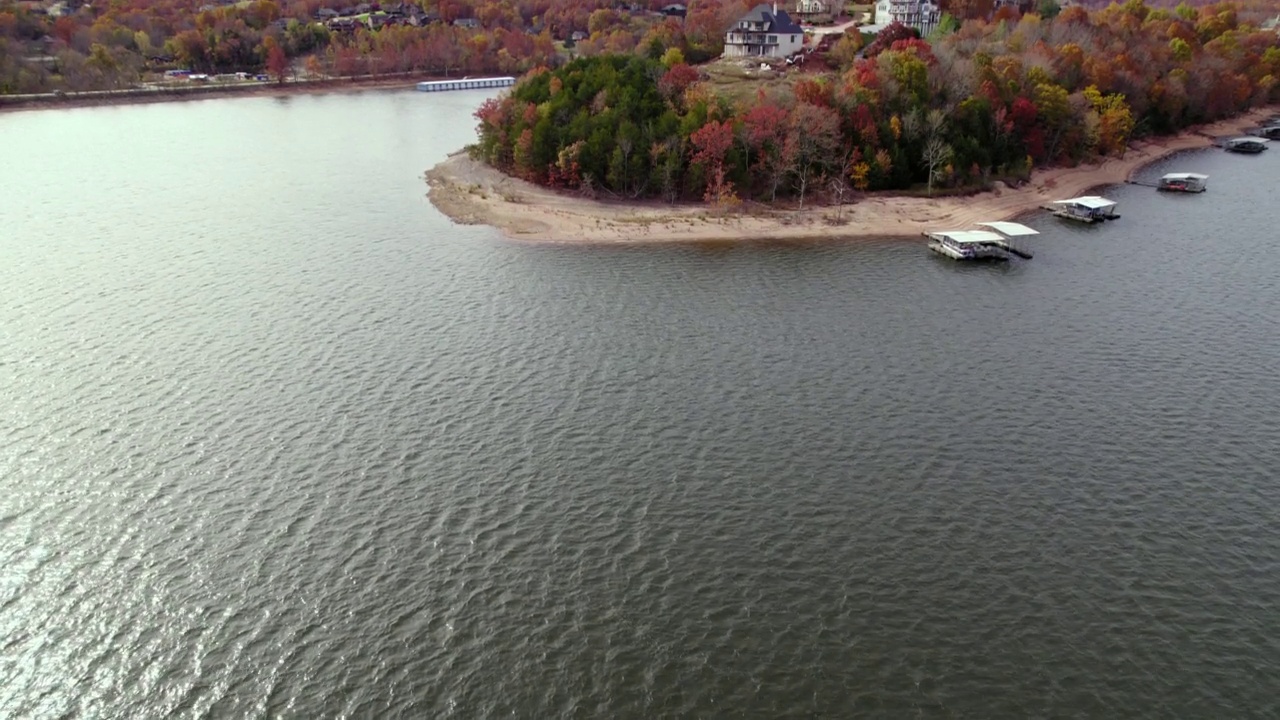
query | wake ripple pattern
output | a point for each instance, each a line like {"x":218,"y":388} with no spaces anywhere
{"x":312,"y":463}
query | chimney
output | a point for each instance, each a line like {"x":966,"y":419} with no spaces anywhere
{"x":775,"y":8}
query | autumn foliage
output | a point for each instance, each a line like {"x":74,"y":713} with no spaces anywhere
{"x":121,"y":43}
{"x":989,"y":101}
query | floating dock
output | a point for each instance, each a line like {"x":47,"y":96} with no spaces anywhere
{"x":995,"y":243}
{"x":466,"y":84}
{"x":1086,"y":208}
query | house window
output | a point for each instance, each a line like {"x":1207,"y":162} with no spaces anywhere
{"x":773,"y":39}
{"x":793,"y":38}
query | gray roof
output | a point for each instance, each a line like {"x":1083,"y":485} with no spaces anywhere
{"x":780,"y":23}
{"x":1010,"y":229}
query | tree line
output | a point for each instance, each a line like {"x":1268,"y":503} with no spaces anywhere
{"x":988,"y":101}
{"x":120,"y":43}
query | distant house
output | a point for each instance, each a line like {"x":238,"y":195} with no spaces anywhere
{"x":674,"y":10}
{"x":326,"y":14}
{"x":766,"y":31}
{"x":1022,"y":6}
{"x":923,"y":15}
{"x":343,"y":24}
{"x":1273,"y":24}
{"x":467,"y":23}
{"x":578,"y":36}
{"x":408,"y":13}
{"x":813,"y":10}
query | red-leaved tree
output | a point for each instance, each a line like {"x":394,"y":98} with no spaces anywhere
{"x":765,"y":128}
{"x":277,"y":63}
{"x":711,"y":143}
{"x":894,"y":32}
{"x":676,"y":80}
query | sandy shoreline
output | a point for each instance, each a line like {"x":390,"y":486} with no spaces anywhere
{"x":205,"y":92}
{"x":471,"y":193}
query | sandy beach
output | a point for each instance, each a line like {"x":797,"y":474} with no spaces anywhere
{"x":472,"y":193}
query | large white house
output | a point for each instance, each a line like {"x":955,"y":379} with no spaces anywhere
{"x":923,"y":15}
{"x":810,"y":10}
{"x":766,"y":31}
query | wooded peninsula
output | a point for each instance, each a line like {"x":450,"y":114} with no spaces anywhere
{"x":971,"y":105}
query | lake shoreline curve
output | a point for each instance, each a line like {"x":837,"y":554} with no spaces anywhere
{"x":193,"y":91}
{"x":471,"y":193}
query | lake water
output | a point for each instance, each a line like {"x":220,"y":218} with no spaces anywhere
{"x":279,"y":440}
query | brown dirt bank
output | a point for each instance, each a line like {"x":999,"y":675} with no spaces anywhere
{"x":472,"y":193}
{"x":46,"y":101}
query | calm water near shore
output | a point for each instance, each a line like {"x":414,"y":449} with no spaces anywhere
{"x":277,"y":439}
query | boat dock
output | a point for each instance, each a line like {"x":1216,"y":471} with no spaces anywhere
{"x":1183,"y":182}
{"x":1249,"y":145}
{"x":466,"y":84}
{"x":1176,"y":182}
{"x":1086,"y":208}
{"x":995,"y":243}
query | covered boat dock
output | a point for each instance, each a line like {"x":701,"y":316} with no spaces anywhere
{"x":1183,"y":182}
{"x":1086,"y":208}
{"x":1247,"y":145}
{"x":992,"y":244}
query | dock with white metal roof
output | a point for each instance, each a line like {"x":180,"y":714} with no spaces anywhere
{"x":1086,"y":208}
{"x":994,"y":243}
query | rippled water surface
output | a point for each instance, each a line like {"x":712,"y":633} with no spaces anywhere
{"x":277,"y":439}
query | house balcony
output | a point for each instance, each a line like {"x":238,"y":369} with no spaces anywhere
{"x":911,"y":8}
{"x":741,"y":39}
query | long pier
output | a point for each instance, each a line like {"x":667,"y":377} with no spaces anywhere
{"x":466,"y":84}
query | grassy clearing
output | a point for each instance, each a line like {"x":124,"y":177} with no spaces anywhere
{"x":739,"y":79}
